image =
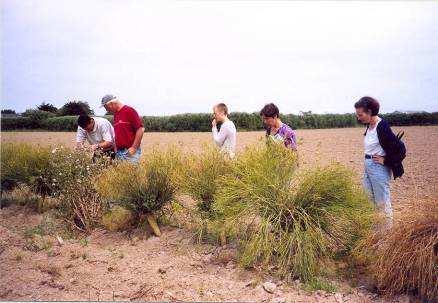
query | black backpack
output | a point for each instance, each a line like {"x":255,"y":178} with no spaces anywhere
{"x":401,"y":148}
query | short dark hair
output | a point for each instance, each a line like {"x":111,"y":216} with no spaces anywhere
{"x":270,"y":110}
{"x":368,"y":104}
{"x":84,"y":120}
{"x":223,"y":108}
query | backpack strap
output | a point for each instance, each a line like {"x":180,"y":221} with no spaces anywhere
{"x":365,"y":133}
{"x":400,"y":135}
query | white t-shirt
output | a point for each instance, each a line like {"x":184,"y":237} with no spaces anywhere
{"x":371,"y":142}
{"x":102,"y":131}
{"x":226,"y":137}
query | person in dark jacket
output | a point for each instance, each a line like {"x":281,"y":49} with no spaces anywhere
{"x":383,"y":155}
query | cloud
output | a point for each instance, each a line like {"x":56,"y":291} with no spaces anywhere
{"x":173,"y":57}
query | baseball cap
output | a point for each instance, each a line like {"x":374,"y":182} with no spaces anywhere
{"x":106,"y":99}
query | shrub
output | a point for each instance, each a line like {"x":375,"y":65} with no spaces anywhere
{"x":16,"y":123}
{"x":143,"y":188}
{"x":64,"y":168}
{"x":201,"y":122}
{"x":65,"y":123}
{"x":81,"y":205}
{"x":37,"y":118}
{"x":405,"y":258}
{"x":296,"y":222}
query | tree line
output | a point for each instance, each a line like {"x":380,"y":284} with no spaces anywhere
{"x":48,"y":117}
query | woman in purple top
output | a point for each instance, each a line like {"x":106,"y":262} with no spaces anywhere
{"x":275,"y":129}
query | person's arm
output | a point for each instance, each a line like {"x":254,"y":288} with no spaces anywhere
{"x":138,"y":125}
{"x":107,"y":137}
{"x":104,"y":145}
{"x":137,"y":140}
{"x":220,"y":136}
{"x":290,"y":140}
{"x":81,"y":136}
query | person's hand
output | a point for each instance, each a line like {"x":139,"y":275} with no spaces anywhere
{"x":131,"y":151}
{"x":213,"y":123}
{"x":379,"y":159}
{"x":94,"y":147}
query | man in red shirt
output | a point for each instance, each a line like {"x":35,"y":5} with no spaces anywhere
{"x":128,"y":129}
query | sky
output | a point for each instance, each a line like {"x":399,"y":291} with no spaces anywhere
{"x":169,"y":57}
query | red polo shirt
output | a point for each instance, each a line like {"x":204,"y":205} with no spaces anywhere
{"x":126,"y":122}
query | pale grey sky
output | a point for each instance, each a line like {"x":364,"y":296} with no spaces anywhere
{"x":168,"y":57}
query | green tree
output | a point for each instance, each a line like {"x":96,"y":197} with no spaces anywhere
{"x":8,"y":112}
{"x":75,"y":108}
{"x":47,"y":107}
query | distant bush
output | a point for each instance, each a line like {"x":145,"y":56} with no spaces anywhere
{"x":420,"y":118}
{"x":8,"y":112}
{"x":66,"y":123}
{"x":37,"y":117}
{"x":17,"y":123}
{"x":202,"y":122}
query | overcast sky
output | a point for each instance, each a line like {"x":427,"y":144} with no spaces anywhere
{"x":184,"y":56}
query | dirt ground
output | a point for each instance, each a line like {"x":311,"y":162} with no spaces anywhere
{"x":139,"y":267}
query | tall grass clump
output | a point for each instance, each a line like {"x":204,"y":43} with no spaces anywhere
{"x":292,"y":220}
{"x":200,"y":181}
{"x":406,"y":257}
{"x":201,"y":177}
{"x":143,"y":188}
{"x":21,"y":163}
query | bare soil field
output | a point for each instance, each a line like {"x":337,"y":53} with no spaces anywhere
{"x":139,"y":267}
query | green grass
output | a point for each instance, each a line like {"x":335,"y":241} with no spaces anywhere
{"x":320,"y":284}
{"x":143,"y":188}
{"x":293,"y":219}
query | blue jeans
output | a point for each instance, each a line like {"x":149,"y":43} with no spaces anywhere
{"x":376,"y":181}
{"x":122,"y":154}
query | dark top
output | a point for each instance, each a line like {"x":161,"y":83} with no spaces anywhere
{"x":394,"y":148}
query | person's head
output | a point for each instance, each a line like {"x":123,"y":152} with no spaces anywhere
{"x":111,"y":103}
{"x":220,"y":112}
{"x":86,"y":122}
{"x":270,"y":114}
{"x":366,"y":108}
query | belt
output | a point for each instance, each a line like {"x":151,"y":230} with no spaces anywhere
{"x":368,"y":157}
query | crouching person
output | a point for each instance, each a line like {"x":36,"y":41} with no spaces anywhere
{"x":128,"y":129}
{"x":99,"y":133}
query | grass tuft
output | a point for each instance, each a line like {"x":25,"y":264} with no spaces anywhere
{"x":405,"y":258}
{"x":294,"y":220}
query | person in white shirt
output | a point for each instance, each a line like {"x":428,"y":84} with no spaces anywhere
{"x":225,"y":138}
{"x":377,"y":174}
{"x":98,"y":132}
